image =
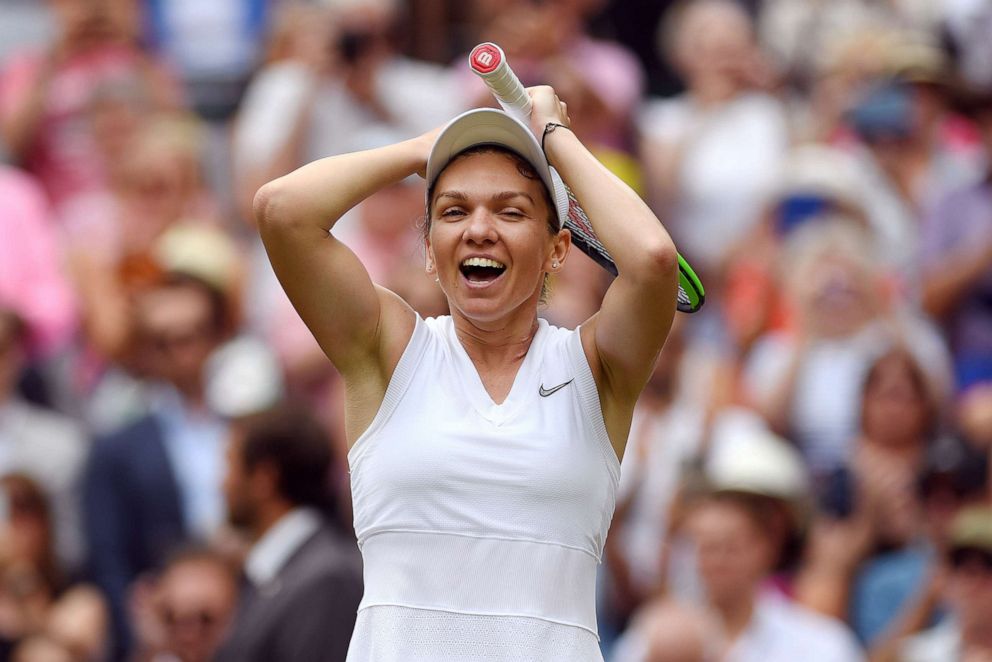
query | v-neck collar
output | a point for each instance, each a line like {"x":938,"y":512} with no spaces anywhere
{"x":475,"y":389}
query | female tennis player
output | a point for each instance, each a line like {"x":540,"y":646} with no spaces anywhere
{"x":484,"y":444}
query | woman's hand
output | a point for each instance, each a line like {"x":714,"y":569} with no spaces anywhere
{"x":423,"y":144}
{"x":547,"y":107}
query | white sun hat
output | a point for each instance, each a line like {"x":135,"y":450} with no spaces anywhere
{"x":748,"y":457}
{"x":488,"y":126}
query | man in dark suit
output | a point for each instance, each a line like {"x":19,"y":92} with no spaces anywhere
{"x":155,"y":484}
{"x":303,"y":576}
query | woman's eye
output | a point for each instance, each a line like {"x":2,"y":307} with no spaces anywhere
{"x":452,"y":212}
{"x":513,"y":213}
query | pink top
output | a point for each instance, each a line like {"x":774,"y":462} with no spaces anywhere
{"x":64,"y":155}
{"x":31,"y":280}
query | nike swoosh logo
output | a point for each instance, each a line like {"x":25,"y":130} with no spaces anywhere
{"x":545,"y":392}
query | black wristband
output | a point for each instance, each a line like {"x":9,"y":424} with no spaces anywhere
{"x":549,"y":128}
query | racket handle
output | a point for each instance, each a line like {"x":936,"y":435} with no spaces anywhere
{"x":489,"y":62}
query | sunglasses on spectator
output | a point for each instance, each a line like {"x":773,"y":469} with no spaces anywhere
{"x":20,"y":501}
{"x":202,"y":619}
{"x":168,"y":342}
{"x":971,"y":558}
{"x":153,"y":186}
{"x":957,"y":487}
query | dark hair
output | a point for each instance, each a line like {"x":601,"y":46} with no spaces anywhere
{"x":917,"y":377}
{"x":220,"y":309}
{"x":774,"y":518}
{"x":198,"y":553}
{"x":953,"y":464}
{"x":25,"y":495}
{"x":289,"y":438}
{"x":523,"y":167}
{"x":15,"y":324}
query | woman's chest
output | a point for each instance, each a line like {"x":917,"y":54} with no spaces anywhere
{"x":448,"y":466}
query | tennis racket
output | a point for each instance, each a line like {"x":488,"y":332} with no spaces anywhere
{"x":489,"y":62}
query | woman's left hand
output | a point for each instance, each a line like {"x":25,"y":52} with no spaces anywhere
{"x":547,"y":107}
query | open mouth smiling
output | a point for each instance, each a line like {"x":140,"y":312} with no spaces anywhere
{"x":481,"y":270}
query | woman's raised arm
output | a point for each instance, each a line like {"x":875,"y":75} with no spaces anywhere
{"x":623,"y":339}
{"x":358,"y":325}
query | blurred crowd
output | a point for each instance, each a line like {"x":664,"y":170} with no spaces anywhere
{"x":807,"y":474}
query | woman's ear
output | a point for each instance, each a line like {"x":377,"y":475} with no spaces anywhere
{"x":429,"y":260}
{"x":559,"y":251}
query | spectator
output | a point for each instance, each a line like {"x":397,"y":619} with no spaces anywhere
{"x":185,"y":615}
{"x":304,"y":577}
{"x":966,"y":24}
{"x":711,"y":153}
{"x":29,"y":575}
{"x":667,"y":434}
{"x":340,"y":85}
{"x":909,"y":155}
{"x":545,"y":41}
{"x":965,"y":635}
{"x":156,"y":483}
{"x":344,"y":87}
{"x":807,"y":382}
{"x":47,"y":447}
{"x":118,"y":393}
{"x":47,"y":95}
{"x":804,"y":37}
{"x":870,"y":553}
{"x":739,"y":525}
{"x":216,"y":47}
{"x":818,"y":183}
{"x":954,"y":478}
{"x":113,"y":236}
{"x":32,"y":277}
{"x":957,"y":263}
{"x":34,"y":598}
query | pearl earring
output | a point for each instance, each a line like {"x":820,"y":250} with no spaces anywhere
{"x":554,"y":264}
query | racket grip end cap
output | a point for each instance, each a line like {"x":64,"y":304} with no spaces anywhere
{"x":486,"y":58}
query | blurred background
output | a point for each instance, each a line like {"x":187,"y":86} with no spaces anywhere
{"x":807,"y":475}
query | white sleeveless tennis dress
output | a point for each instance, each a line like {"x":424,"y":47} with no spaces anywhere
{"x":481,"y":525}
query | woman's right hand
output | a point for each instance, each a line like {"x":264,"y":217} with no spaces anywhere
{"x":423,"y":144}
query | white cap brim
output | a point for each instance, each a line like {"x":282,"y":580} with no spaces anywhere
{"x":488,"y":126}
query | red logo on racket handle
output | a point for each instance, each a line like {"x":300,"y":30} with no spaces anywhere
{"x":485,"y":58}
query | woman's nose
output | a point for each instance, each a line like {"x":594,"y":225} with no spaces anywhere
{"x":481,"y":227}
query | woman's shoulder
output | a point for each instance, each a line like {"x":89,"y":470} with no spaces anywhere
{"x":556,"y":334}
{"x":437,"y":332}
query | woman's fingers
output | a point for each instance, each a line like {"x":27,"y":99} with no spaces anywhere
{"x":547,"y":107}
